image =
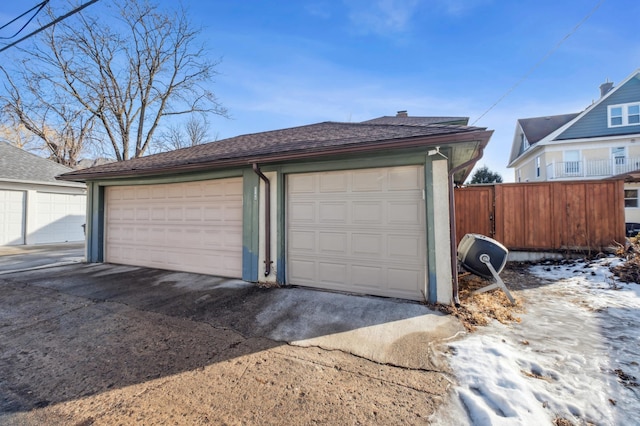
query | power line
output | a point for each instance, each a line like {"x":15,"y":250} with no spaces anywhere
{"x":73,"y":12}
{"x":38,"y":6}
{"x":544,"y":58}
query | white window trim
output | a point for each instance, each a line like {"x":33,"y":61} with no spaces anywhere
{"x":623,"y":157}
{"x":538,"y":163}
{"x":637,"y":198}
{"x":625,"y":114}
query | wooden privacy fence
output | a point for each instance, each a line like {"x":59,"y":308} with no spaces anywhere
{"x":579,"y":215}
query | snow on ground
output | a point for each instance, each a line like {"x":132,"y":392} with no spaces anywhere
{"x":574,"y":356}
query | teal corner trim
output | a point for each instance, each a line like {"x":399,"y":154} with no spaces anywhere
{"x":281,"y":218}
{"x":250,"y":225}
{"x":95,"y":223}
{"x":432,"y":279}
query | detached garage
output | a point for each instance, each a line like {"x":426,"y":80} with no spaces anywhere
{"x":35,"y":208}
{"x":352,"y":207}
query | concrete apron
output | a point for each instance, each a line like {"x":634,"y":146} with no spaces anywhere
{"x":387,"y":331}
{"x":24,"y":258}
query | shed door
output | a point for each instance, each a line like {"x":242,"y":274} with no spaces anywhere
{"x":59,"y":217}
{"x":12,"y":216}
{"x":359,"y":231}
{"x":191,"y":226}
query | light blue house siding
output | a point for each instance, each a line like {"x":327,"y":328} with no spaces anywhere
{"x":594,"y":123}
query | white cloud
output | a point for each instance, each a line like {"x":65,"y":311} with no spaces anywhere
{"x":460,"y":7}
{"x":381,"y":17}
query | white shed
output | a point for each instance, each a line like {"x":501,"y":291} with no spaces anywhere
{"x":35,"y":208}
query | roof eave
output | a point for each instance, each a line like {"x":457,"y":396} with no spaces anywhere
{"x":480,"y":136}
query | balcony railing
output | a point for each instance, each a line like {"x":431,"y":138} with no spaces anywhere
{"x":592,"y":168}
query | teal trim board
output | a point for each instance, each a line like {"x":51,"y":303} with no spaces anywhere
{"x":95,"y":223}
{"x":250,"y":225}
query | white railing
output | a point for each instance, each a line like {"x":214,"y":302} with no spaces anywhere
{"x":592,"y":168}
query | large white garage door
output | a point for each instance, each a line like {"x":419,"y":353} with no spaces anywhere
{"x":12,"y":217}
{"x":359,"y":231}
{"x":59,"y":217}
{"x":191,"y":227}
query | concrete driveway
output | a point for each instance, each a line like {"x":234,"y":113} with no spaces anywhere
{"x":78,"y":336}
{"x":20,"y":258}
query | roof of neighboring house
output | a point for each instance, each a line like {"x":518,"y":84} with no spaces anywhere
{"x":418,"y":121}
{"x":17,"y":165}
{"x":303,"y":142}
{"x":537,"y":128}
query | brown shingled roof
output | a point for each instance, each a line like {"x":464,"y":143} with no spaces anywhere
{"x":417,"y":121}
{"x":296,"y":142}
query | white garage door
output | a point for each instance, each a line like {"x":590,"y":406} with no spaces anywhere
{"x":12,"y":217}
{"x":59,"y":217}
{"x":358,"y":231}
{"x":191,"y":227}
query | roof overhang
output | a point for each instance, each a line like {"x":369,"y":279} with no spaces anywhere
{"x":460,"y":147}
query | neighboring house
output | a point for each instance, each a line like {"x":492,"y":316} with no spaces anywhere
{"x":355,"y":207}
{"x":35,"y":208}
{"x":600,"y":142}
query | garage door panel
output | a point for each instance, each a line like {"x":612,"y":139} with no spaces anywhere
{"x":191,"y":226}
{"x":302,"y":241}
{"x":333,"y":182}
{"x":304,"y":212}
{"x":367,"y":245}
{"x":358,"y":231}
{"x":333,"y":273}
{"x":368,"y":180}
{"x":333,"y":243}
{"x":12,"y":216}
{"x":367,"y":213}
{"x":404,"y":247}
{"x":406,"y":179}
{"x":333,"y":213}
{"x":405,"y":212}
{"x":59,"y":217}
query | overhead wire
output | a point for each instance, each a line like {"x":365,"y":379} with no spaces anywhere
{"x":55,"y":21}
{"x":39,"y":6}
{"x":541,"y":61}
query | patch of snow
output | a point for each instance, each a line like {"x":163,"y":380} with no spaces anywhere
{"x":574,"y":355}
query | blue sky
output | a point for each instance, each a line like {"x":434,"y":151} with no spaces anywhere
{"x":293,"y":63}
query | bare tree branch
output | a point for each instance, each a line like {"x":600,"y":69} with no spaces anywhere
{"x":116,"y":78}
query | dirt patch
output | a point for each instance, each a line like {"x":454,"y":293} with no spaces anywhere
{"x":480,"y":309}
{"x":78,"y":360}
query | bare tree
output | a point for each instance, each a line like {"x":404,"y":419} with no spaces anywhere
{"x":193,"y":132}
{"x":197,"y":131}
{"x":127,"y":73}
{"x":64,"y":128}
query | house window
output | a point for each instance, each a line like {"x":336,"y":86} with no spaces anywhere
{"x":572,"y":162}
{"x":624,"y":114}
{"x":538,"y":166}
{"x":524,"y":141}
{"x":631,"y":198}
{"x":619,"y":156}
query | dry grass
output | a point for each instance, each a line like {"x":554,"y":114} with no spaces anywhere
{"x":630,"y":271}
{"x":479,"y":309}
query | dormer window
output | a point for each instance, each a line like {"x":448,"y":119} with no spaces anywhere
{"x":524,"y":142}
{"x":624,"y":114}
